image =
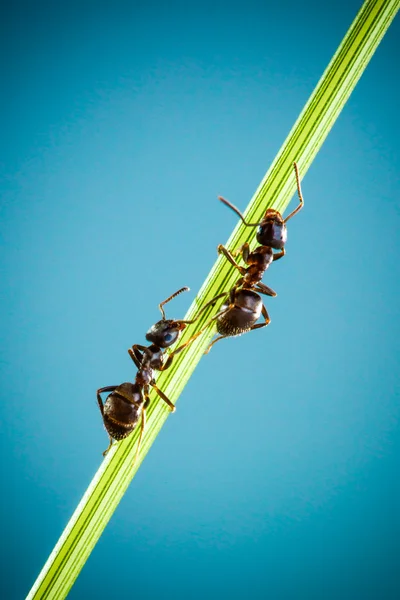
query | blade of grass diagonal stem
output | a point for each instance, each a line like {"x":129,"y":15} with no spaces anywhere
{"x":275,"y":190}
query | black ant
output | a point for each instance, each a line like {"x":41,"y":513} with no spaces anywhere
{"x":241,"y":311}
{"x":127,"y":403}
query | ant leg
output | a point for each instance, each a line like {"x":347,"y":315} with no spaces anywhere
{"x":279,"y":255}
{"x":264,"y":289}
{"x":134,"y":358}
{"x":207,"y":304}
{"x":106,"y":451}
{"x":266,"y":317}
{"x":136,"y":354}
{"x":221,"y":312}
{"x":139,"y":348}
{"x":163,"y":396}
{"x":211,"y":302}
{"x":222,"y":250}
{"x":300,"y":195}
{"x":244,"y":250}
{"x":109,"y":388}
{"x":142,"y":428}
{"x":221,"y":337}
{"x":167,"y":365}
{"x":185,"y":345}
{"x":196,"y":335}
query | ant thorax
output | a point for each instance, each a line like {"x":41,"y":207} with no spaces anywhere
{"x":145,"y":375}
{"x":258,"y":261}
{"x":153,"y":357}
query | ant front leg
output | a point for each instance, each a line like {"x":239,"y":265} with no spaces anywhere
{"x":279,"y":255}
{"x":244,"y":250}
{"x":169,"y":360}
{"x":109,"y":388}
{"x":182,"y":347}
{"x":136,"y":354}
{"x":134,"y":358}
{"x":219,"y":314}
{"x":168,"y":363}
{"x":196,"y":335}
{"x":207,"y":304}
{"x":222,"y":250}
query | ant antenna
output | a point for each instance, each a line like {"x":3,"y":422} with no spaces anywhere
{"x":160,"y":306}
{"x":301,"y":200}
{"x":237,"y":211}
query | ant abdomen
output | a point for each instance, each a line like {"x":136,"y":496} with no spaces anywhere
{"x":241,"y":313}
{"x":122,"y":410}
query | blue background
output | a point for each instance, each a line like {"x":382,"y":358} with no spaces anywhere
{"x":121,"y":122}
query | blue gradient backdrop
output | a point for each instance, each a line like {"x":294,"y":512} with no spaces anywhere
{"x":121,"y":122}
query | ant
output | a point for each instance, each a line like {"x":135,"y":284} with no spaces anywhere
{"x":241,"y":311}
{"x":127,"y":403}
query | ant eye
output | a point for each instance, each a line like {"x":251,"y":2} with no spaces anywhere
{"x":169,"y":337}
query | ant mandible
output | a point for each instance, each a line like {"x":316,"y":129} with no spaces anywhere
{"x":240,"y":313}
{"x":127,"y":403}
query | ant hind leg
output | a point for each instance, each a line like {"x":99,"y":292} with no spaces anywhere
{"x":221,"y":337}
{"x":106,"y":451}
{"x":163,"y":396}
{"x":264,"y":289}
{"x":266,"y":317}
{"x":109,"y":388}
{"x":142,"y":428}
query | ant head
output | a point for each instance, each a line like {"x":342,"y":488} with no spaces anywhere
{"x":164,"y":333}
{"x":272,"y":230}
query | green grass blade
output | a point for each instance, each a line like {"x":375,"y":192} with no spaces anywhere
{"x":275,"y":190}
